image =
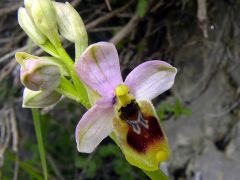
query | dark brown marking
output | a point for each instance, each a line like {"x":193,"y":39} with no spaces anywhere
{"x":151,"y":134}
{"x":141,"y":142}
{"x":130,"y":112}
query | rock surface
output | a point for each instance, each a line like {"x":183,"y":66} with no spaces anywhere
{"x":206,"y":144}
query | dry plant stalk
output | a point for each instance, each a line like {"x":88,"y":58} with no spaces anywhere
{"x":202,"y":16}
{"x":8,"y":131}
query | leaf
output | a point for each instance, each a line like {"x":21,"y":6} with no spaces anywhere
{"x":108,"y":150}
{"x":32,"y":171}
{"x":142,"y":7}
{"x":88,"y":165}
{"x":91,"y":169}
{"x":80,"y":162}
{"x":166,"y":110}
{"x":186,"y":111}
{"x":178,"y":108}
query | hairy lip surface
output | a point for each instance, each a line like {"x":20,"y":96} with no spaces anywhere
{"x":147,"y":137}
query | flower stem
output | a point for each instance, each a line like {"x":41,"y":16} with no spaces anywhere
{"x":37,"y":126}
{"x":82,"y":93}
{"x":156,"y":175}
{"x":67,"y":89}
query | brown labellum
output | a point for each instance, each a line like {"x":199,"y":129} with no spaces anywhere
{"x":143,"y":130}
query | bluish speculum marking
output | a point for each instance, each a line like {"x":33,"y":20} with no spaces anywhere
{"x":133,"y":116}
{"x":143,"y":130}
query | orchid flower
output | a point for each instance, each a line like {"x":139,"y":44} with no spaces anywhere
{"x":124,"y":110}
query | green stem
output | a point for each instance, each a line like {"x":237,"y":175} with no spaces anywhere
{"x":65,"y":57}
{"x":80,"y":46}
{"x":49,"y":48}
{"x":156,"y":175}
{"x":82,"y":93}
{"x":67,"y":89}
{"x":37,"y":126}
{"x":81,"y":90}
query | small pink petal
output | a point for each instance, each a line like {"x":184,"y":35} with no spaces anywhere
{"x":150,"y":79}
{"x":98,"y":67}
{"x":94,"y":126}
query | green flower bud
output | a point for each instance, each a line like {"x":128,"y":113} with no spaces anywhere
{"x":71,"y":26}
{"x":22,"y":56}
{"x":70,"y":23}
{"x":39,"y":99}
{"x":28,"y":6}
{"x":44,"y":17}
{"x":38,"y":74}
{"x":29,"y":27}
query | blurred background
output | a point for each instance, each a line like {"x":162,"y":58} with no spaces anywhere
{"x":200,"y":114}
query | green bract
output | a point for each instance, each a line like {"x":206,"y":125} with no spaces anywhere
{"x":39,"y":99}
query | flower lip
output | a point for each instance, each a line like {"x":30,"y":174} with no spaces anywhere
{"x":148,"y":136}
{"x":141,"y":136}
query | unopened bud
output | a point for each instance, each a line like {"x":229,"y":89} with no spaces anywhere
{"x":22,"y":56}
{"x":29,"y":27}
{"x":28,"y":6}
{"x":39,"y":99}
{"x":71,"y":25}
{"x":39,"y":74}
{"x":44,"y":16}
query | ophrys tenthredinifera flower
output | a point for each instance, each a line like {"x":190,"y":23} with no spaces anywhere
{"x":124,"y":109}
